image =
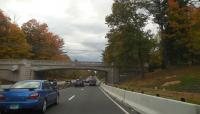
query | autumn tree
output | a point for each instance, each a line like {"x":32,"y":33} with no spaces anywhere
{"x":194,"y":35}
{"x":177,"y":32}
{"x":174,"y":18}
{"x":13,"y":44}
{"x":45,"y":44}
{"x":181,"y":32}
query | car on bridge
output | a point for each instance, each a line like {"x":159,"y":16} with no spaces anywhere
{"x":30,"y":94}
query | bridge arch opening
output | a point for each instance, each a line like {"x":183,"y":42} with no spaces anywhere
{"x":71,"y":73}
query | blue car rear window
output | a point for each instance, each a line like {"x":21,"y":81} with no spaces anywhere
{"x":26,"y":84}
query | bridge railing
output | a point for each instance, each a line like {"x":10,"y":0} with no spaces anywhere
{"x":50,"y":62}
{"x":59,"y":63}
{"x":41,"y":62}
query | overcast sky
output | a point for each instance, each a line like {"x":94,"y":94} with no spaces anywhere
{"x":81,"y":23}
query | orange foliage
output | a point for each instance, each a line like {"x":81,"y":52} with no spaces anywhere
{"x":13,"y":44}
{"x":171,"y":2}
{"x":45,"y":44}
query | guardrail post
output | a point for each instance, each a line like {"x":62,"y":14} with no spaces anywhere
{"x":183,"y":99}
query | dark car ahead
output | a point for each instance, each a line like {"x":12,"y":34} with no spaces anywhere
{"x":92,"y":82}
{"x":54,"y":84}
{"x":79,"y":83}
{"x":30,"y":94}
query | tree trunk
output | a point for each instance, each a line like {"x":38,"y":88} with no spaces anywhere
{"x":141,"y":68}
{"x":164,"y":55}
{"x":165,"y":60}
{"x":141,"y":62}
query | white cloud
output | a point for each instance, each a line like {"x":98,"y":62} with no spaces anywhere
{"x":81,"y":23}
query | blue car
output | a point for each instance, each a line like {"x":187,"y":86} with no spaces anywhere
{"x":30,"y":94}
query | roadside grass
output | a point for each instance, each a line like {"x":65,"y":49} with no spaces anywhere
{"x":189,"y":83}
{"x":188,"y":88}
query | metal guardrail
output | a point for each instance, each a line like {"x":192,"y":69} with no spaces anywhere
{"x":147,"y":104}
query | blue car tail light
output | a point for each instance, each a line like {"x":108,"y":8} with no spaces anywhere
{"x":34,"y":96}
{"x":2,"y":97}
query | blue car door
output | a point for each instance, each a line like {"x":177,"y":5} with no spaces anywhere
{"x":53,"y":94}
{"x":48,"y":92}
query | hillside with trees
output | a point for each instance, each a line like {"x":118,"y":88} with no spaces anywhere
{"x":177,"y":42}
{"x":172,"y":55}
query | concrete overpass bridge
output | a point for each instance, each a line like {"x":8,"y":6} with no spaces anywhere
{"x":15,"y":70}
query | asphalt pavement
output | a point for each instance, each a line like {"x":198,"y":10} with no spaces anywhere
{"x":86,"y":100}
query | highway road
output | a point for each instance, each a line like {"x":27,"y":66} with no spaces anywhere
{"x":86,"y":100}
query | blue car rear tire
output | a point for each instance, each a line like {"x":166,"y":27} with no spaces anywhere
{"x":44,"y":107}
{"x":57,"y":100}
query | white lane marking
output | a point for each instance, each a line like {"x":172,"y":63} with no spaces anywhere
{"x":71,"y":97}
{"x":114,"y":102}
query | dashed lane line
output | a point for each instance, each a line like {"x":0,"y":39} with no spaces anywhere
{"x":71,"y":97}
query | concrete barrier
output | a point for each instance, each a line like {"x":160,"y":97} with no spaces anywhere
{"x":119,"y":94}
{"x":147,"y":104}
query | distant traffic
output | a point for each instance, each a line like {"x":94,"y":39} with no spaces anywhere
{"x":81,"y":82}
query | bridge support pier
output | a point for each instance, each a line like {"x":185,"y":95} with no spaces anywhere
{"x":25,"y":71}
{"x":113,"y":76}
{"x":22,"y":73}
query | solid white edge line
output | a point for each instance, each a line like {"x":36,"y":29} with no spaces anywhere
{"x":71,"y":97}
{"x":114,"y":101}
